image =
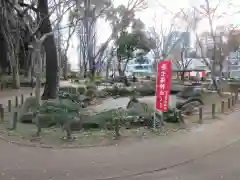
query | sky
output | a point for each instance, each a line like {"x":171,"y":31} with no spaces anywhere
{"x":154,"y":16}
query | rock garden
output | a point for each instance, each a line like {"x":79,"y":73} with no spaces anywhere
{"x":99,"y":112}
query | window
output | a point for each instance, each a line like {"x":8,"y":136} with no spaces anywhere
{"x":235,"y":74}
{"x":141,"y":67}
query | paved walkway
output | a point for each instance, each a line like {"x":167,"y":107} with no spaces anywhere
{"x":209,"y":152}
{"x":144,"y":159}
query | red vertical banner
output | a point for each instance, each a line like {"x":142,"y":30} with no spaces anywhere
{"x":163,"y":85}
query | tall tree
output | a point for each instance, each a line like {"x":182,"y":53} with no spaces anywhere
{"x":127,"y":45}
{"x":50,"y":90}
{"x":169,"y":38}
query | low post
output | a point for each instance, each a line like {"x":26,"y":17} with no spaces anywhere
{"x":233,"y":101}
{"x":222,"y":106}
{"x":9,"y":105}
{"x":22,"y":99}
{"x":229,"y":103}
{"x":180,"y":118}
{"x":213,"y":110}
{"x":16,"y":101}
{"x":1,"y":107}
{"x":236,"y":96}
{"x":31,"y":94}
{"x":2,"y":114}
{"x":201,"y":115}
{"x":14,"y":122}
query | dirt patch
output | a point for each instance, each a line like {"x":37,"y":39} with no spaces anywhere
{"x":51,"y":137}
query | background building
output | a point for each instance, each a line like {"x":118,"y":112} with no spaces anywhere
{"x":177,"y":40}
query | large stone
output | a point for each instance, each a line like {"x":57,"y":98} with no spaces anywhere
{"x":27,"y":117}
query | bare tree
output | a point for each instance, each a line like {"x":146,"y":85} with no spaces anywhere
{"x":168,"y":42}
{"x":220,"y":49}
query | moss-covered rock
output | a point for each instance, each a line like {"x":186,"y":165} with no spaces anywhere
{"x":102,"y":94}
{"x":91,"y":93}
{"x":27,"y":117}
{"x":104,"y":120}
{"x":68,"y":89}
{"x":98,"y":120}
{"x":117,"y":91}
{"x":146,"y":90}
{"x":141,"y":109}
{"x":91,"y":85}
{"x":81,"y":90}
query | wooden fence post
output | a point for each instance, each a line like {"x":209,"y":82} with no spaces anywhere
{"x":229,"y":103}
{"x":9,"y":105}
{"x":16,"y":101}
{"x":2,"y":114}
{"x":181,"y":119}
{"x":22,"y":99}
{"x":233,"y":101}
{"x":213,"y":110}
{"x":201,"y":115}
{"x":222,"y":106}
{"x":236,"y":96}
{"x":14,"y":122}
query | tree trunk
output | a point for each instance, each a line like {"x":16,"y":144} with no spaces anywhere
{"x":38,"y":72}
{"x":182,"y":76}
{"x":50,"y":90}
{"x":65,"y":68}
{"x":107,"y":68}
{"x":92,"y":67}
{"x":15,"y":78}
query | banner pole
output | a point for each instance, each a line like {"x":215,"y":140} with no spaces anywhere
{"x":155,"y":116}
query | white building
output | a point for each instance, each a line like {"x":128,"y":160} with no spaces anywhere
{"x":140,"y":69}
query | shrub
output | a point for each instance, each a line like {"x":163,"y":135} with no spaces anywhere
{"x":91,"y":93}
{"x":91,"y":86}
{"x":68,"y":89}
{"x":100,"y":120}
{"x":98,"y":82}
{"x":102,"y":94}
{"x":140,"y":113}
{"x":109,"y":91}
{"x":125,"y":92}
{"x":99,"y":78}
{"x":145,"y":90}
{"x":81,"y":90}
{"x":116,"y":91}
{"x":73,"y":75}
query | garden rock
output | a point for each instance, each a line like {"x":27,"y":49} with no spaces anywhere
{"x":30,"y":105}
{"x":99,"y":120}
{"x":27,"y":118}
